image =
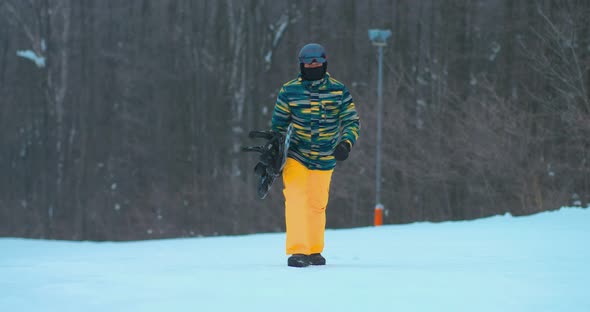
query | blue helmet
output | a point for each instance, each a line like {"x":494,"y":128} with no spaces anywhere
{"x":312,"y":52}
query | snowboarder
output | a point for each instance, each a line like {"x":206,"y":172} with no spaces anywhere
{"x":325,"y":128}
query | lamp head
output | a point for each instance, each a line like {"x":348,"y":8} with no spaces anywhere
{"x":379,"y":36}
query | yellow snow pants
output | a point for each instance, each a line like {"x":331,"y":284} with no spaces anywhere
{"x":306,"y":197}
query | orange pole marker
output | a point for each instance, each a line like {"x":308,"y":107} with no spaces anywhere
{"x":378,"y":215}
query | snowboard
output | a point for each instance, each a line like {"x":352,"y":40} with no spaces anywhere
{"x":273,"y":156}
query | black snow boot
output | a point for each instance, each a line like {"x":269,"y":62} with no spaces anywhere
{"x":298,"y":261}
{"x":316,"y":259}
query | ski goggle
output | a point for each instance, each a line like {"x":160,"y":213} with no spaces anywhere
{"x":311,"y":59}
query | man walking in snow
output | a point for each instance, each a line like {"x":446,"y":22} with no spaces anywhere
{"x":326,"y":127}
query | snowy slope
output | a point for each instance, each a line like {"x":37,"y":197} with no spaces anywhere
{"x":535,"y":263}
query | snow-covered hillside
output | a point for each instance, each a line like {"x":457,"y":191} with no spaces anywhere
{"x":535,"y":263}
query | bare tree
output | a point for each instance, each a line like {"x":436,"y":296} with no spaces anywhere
{"x":123,"y":119}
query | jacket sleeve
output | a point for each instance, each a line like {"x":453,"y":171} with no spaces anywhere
{"x":349,"y":119}
{"x":281,"y":116}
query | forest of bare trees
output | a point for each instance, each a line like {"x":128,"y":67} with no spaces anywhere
{"x":123,"y":119}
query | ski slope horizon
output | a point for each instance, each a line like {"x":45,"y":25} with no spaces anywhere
{"x":501,"y":263}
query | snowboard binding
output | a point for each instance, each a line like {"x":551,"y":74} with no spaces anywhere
{"x":273,"y":155}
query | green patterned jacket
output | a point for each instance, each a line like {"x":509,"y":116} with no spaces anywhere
{"x":323,"y":114}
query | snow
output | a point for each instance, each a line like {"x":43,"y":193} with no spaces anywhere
{"x":496,"y":48}
{"x":268,"y":56}
{"x":278,"y":29}
{"x":502,"y":263}
{"x":283,"y":23}
{"x":39,"y":60}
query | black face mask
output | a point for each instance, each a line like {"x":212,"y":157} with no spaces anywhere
{"x":312,"y":74}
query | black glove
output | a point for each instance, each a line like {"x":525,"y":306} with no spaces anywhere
{"x":341,"y":151}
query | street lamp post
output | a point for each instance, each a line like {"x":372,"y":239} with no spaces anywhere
{"x":379,"y":39}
